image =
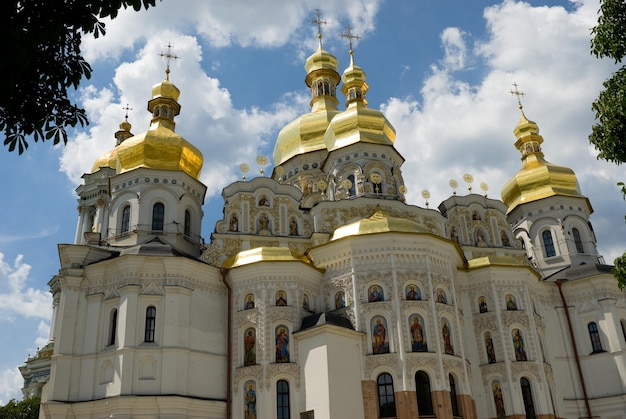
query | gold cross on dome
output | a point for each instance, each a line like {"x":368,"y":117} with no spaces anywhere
{"x":350,"y":36}
{"x":127,"y":108}
{"x":319,"y":24}
{"x":168,"y":56}
{"x":517,"y":93}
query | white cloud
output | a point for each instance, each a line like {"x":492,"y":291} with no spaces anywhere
{"x":11,"y":382}
{"x":471,"y":125}
{"x":223,"y":133}
{"x":267,"y":24}
{"x":16,"y":298}
{"x":455,"y":49}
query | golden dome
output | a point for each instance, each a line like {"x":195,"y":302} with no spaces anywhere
{"x":105,"y":160}
{"x":263,"y":254}
{"x":379,"y":222}
{"x":320,"y":60}
{"x":165,"y":89}
{"x":537,"y":179}
{"x":358,"y":123}
{"x":158,"y":148}
{"x":306,"y":133}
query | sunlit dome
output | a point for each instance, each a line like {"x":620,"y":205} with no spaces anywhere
{"x":158,"y":148}
{"x":537,"y":179}
{"x":306,"y":133}
{"x":379,"y":222}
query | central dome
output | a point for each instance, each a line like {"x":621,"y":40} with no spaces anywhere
{"x":378,"y":223}
{"x":306,"y":133}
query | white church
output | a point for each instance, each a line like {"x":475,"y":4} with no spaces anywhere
{"x":321,"y":292}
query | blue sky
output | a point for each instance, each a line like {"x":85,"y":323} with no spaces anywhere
{"x":441,"y":70}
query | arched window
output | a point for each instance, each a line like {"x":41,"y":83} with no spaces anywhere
{"x":150,"y":324}
{"x":594,"y":335}
{"x":158,"y":216}
{"x":453,"y":398}
{"x":113,"y":327}
{"x":422,"y":390}
{"x":125,"y":226}
{"x":282,"y":400}
{"x":527,"y":397}
{"x":187,"y":225}
{"x":386,"y":396}
{"x":548,"y":243}
{"x":577,"y":241}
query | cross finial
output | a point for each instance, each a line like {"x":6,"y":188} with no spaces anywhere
{"x":350,"y":37}
{"x":319,"y":24}
{"x":127,"y":108}
{"x":168,"y":56}
{"x":517,"y":93}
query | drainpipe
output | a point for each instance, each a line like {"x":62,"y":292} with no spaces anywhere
{"x":574,"y":347}
{"x":228,"y":344}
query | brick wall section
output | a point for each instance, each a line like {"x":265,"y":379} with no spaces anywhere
{"x":467,"y":407}
{"x":406,"y":405}
{"x":442,"y":405}
{"x":370,"y":399}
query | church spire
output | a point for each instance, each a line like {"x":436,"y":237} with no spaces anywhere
{"x":125,"y":126}
{"x":319,"y":22}
{"x":164,"y":104}
{"x":354,"y":86}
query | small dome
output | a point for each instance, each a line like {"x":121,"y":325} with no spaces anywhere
{"x":378,"y":223}
{"x":358,"y":123}
{"x":537,"y":179}
{"x":108,"y":158}
{"x":165,"y":89}
{"x":320,"y":60}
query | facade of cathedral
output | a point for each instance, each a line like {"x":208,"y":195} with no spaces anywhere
{"x":322,"y":293}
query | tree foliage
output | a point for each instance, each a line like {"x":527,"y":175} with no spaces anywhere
{"x":25,"y":409}
{"x":608,"y":135}
{"x":41,"y":60}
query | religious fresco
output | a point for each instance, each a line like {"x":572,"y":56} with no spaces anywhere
{"x":375,"y":293}
{"x":418,"y":335}
{"x":249,"y":400}
{"x":380,"y":338}
{"x":282,"y":344}
{"x":412,"y":292}
{"x":249,"y":344}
